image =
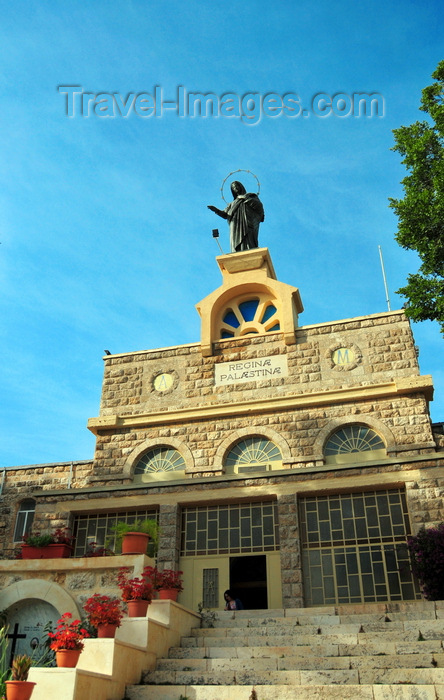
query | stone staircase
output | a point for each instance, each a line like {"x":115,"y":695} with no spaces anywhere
{"x":371,"y":651}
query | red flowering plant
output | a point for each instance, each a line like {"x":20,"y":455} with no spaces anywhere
{"x":68,"y":634}
{"x":63,"y":536}
{"x":169,"y":579}
{"x":426,"y":551}
{"x":96,"y":550}
{"x":103,"y":610}
{"x":154,"y":575}
{"x":137,"y":588}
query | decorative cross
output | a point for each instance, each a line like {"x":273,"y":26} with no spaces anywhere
{"x":14,"y":636}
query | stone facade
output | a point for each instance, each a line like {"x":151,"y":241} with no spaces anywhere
{"x":361,"y":371}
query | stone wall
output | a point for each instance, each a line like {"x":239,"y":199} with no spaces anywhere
{"x":95,"y":575}
{"x":383,"y":343}
{"x":405,"y":418}
{"x":384,"y":352}
{"x":24,"y":482}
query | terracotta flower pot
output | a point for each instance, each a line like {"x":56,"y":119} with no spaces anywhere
{"x":52,"y":551}
{"x":67,"y":658}
{"x":168,"y":594}
{"x":19,"y":690}
{"x":106,"y":630}
{"x":135,"y":543}
{"x":137,"y":608}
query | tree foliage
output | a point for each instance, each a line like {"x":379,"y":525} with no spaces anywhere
{"x":421,"y":211}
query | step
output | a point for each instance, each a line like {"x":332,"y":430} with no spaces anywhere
{"x":266,"y":639}
{"x":327,"y":650}
{"x":234,"y":620}
{"x":253,"y":676}
{"x":292,"y":661}
{"x":290,"y":627}
{"x":270,"y":640}
{"x":429,"y":628}
{"x":376,"y":651}
{"x":285,"y":692}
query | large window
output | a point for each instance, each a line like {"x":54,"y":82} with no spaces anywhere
{"x":353,"y":443}
{"x":354,"y":548}
{"x":24,"y":520}
{"x":93,"y":531}
{"x":230,"y":529}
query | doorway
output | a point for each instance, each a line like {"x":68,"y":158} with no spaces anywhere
{"x":248,"y":581}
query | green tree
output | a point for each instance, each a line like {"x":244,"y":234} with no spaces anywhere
{"x":421,"y":211}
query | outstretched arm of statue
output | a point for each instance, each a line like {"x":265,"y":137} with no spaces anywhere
{"x":219,"y":212}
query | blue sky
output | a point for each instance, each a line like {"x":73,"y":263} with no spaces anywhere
{"x":105,"y":235}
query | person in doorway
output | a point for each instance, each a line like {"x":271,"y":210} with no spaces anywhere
{"x":232,"y":603}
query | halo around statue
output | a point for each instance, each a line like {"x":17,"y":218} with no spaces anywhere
{"x":241,"y":170}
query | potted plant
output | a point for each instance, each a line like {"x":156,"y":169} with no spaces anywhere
{"x":47,"y":546}
{"x":67,"y":641}
{"x":4,"y":665}
{"x":19,"y":688}
{"x":134,"y":537}
{"x":137,"y":592}
{"x":168,"y":582}
{"x":104,"y":613}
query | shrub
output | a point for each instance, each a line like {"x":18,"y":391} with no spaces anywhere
{"x":426,"y":551}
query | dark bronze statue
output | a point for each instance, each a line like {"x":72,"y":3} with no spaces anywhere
{"x":244,"y":214}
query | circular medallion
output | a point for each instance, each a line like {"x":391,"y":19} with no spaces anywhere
{"x":344,"y":356}
{"x":163,"y":382}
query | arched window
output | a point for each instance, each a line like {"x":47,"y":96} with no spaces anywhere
{"x":25,"y":517}
{"x":253,"y":454}
{"x":161,"y":462}
{"x":354,"y":443}
{"x":248,"y":316}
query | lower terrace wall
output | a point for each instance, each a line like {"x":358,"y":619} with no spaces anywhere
{"x":79,"y":578}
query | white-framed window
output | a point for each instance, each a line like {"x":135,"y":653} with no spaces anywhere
{"x":24,"y":519}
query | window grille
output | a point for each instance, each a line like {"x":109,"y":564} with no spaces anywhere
{"x":353,"y":438}
{"x":210,"y":588}
{"x":250,"y":316}
{"x":354,"y":548}
{"x":230,"y":529}
{"x":93,"y":531}
{"x":160,"y":459}
{"x":253,"y":451}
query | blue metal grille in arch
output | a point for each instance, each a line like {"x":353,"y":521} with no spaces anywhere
{"x":249,"y":317}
